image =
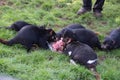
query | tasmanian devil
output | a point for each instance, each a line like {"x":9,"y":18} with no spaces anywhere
{"x":30,"y":35}
{"x":82,"y":54}
{"x":79,"y":52}
{"x":71,"y":27}
{"x":83,"y":35}
{"x":112,"y":41}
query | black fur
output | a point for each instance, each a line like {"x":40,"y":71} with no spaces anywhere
{"x":30,"y":35}
{"x":81,"y":53}
{"x":71,"y":27}
{"x":83,"y":35}
{"x":112,"y":41}
{"x":18,"y":25}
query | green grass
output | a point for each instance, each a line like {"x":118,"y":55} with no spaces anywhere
{"x":44,"y":64}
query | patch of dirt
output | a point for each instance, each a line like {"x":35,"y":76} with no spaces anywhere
{"x":3,"y":2}
{"x":58,"y":26}
{"x":103,"y":22}
{"x":102,"y":58}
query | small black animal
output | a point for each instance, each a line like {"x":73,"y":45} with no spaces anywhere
{"x":82,"y":54}
{"x":30,"y":35}
{"x":18,"y":25}
{"x":71,"y":27}
{"x":83,"y":35}
{"x":112,"y":41}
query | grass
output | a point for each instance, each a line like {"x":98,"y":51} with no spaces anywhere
{"x":44,"y":64}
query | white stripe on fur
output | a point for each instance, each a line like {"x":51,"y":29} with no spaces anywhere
{"x":91,"y":61}
{"x":69,"y":53}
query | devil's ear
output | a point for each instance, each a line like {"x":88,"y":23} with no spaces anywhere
{"x":42,"y":27}
{"x":67,"y":33}
{"x":50,"y":31}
